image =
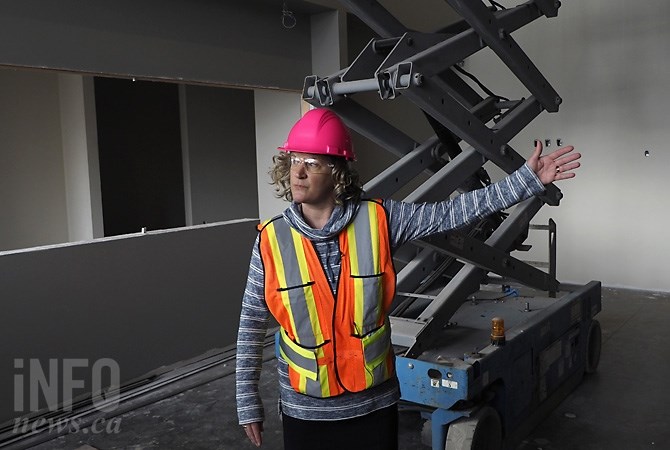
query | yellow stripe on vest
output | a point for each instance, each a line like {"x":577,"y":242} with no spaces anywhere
{"x":323,"y":375}
{"x":374,"y":234}
{"x":279,"y":266}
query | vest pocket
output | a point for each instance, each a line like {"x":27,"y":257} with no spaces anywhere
{"x":368,"y":303}
{"x":376,"y":346}
{"x":307,"y":330}
{"x":300,"y":359}
{"x":288,"y":288}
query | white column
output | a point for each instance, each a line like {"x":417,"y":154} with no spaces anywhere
{"x":185,"y":156}
{"x":329,"y":43}
{"x":276,"y":112}
{"x":80,"y":157}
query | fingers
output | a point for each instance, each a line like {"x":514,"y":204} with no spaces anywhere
{"x":562,"y":151}
{"x":555,"y":166}
{"x":564,"y":176}
{"x":568,"y":167}
{"x":564,"y":171}
{"x":254,"y":433}
{"x":567,"y":159}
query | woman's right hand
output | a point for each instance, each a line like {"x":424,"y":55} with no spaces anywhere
{"x":254,"y":432}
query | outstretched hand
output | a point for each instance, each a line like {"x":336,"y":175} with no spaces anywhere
{"x":557,"y":165}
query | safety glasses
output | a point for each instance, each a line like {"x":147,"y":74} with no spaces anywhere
{"x":311,"y":165}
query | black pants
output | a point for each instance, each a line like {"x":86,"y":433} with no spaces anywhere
{"x":375,"y":431}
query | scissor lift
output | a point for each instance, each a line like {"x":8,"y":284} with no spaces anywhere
{"x":474,"y":395}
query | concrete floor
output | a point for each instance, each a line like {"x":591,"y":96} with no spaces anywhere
{"x":623,"y":406}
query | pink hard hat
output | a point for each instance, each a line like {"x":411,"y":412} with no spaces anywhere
{"x":322,"y":132}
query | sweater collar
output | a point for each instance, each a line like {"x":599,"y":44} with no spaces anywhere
{"x":340,"y":218}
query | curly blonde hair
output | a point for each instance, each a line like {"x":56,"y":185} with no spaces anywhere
{"x":345,"y":178}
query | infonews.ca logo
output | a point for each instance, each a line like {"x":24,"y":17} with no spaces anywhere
{"x":52,"y":389}
{"x":68,"y":425}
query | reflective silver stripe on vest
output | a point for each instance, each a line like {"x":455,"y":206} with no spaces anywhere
{"x":368,"y":268}
{"x":295,"y":285}
{"x":313,"y":388}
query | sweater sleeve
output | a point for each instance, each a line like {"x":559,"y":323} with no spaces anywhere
{"x":250,"y":339}
{"x":410,"y":221}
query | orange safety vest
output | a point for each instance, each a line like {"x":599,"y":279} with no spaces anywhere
{"x":332,"y":344}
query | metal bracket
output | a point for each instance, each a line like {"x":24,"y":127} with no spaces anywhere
{"x":548,"y":7}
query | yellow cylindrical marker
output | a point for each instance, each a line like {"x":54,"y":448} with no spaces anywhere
{"x":497,"y":331}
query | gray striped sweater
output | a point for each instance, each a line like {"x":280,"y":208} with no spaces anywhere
{"x":407,"y":221}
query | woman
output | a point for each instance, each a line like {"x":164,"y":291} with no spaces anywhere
{"x":324,"y":270}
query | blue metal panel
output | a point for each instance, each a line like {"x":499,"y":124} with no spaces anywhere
{"x":433,"y":384}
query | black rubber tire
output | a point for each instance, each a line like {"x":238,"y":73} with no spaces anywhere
{"x":427,"y":433}
{"x":593,"y":344}
{"x":481,"y":431}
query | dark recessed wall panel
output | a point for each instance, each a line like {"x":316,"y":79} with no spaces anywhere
{"x":139,"y":141}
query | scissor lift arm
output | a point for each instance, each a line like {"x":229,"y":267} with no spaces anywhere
{"x":470,"y":129}
{"x":420,"y":66}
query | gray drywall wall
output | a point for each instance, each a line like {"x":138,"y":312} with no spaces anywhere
{"x":145,"y":301}
{"x":276,"y":112}
{"x":608,"y":61}
{"x":221,"y":153}
{"x":32,"y":180}
{"x":233,"y":43}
